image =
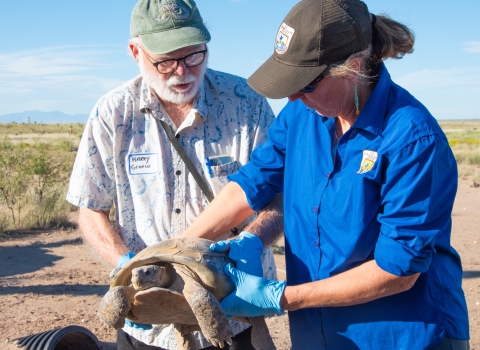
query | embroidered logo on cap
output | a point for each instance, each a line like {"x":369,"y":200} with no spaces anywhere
{"x":284,"y":36}
{"x":174,"y":11}
{"x":368,"y":160}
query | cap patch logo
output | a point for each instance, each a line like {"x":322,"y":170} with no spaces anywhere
{"x":284,"y":36}
{"x":368,"y":160}
{"x":174,"y":11}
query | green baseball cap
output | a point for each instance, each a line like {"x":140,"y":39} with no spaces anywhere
{"x":313,"y":35}
{"x":168,"y":25}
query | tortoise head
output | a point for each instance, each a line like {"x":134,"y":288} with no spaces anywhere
{"x":192,"y":252}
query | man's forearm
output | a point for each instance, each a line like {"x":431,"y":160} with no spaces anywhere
{"x":228,"y":210}
{"x":359,"y":285}
{"x":100,"y":235}
{"x":268,"y":225}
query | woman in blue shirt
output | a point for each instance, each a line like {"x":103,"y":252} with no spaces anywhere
{"x":369,"y":182}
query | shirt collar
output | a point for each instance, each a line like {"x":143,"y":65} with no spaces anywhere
{"x":200,"y":105}
{"x":373,"y":113}
{"x":328,"y":122}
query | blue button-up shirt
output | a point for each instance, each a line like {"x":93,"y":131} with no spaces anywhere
{"x":386,"y":194}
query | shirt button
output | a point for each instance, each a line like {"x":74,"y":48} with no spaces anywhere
{"x":178,"y":172}
{"x":316,"y":244}
{"x":314,"y":210}
{"x":178,"y":210}
{"x":316,"y":278}
{"x":327,"y":175}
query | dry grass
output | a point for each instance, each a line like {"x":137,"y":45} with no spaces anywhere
{"x":464,"y":139}
{"x":47,"y":138}
{"x":30,"y":133}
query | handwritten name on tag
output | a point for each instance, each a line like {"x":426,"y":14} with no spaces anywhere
{"x":143,"y":163}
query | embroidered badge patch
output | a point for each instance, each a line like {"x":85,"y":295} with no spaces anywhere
{"x":174,"y":11}
{"x":368,"y":160}
{"x":284,"y":36}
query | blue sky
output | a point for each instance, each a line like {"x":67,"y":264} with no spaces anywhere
{"x":63,"y":55}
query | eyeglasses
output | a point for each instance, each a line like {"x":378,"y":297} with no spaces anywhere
{"x":171,"y":65}
{"x":310,"y":87}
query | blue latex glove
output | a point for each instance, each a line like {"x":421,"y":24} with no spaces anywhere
{"x":141,"y":326}
{"x":254,"y":296}
{"x":122,"y":261}
{"x":124,"y":258}
{"x":246,"y":250}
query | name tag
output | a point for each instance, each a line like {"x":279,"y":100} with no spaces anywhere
{"x":143,"y":163}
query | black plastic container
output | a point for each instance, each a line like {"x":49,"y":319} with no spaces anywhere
{"x":67,"y":338}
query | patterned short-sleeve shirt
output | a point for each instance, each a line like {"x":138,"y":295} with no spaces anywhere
{"x":125,"y":159}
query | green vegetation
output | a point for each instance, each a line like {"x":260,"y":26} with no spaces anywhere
{"x":34,"y":178}
{"x":41,"y":129}
{"x":36,"y":161}
{"x":464,"y":139}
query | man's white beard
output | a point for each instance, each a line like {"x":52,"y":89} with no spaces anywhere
{"x":166,"y":89}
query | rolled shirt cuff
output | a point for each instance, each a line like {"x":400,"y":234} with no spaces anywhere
{"x":398,"y":258}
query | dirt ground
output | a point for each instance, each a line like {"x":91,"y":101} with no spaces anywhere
{"x":50,"y":279}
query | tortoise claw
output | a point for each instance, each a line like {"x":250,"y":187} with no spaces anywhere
{"x":220,"y":343}
{"x":217,"y":344}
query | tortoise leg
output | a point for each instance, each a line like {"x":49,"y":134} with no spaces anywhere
{"x":184,"y":337}
{"x":116,"y":305}
{"x":210,"y":316}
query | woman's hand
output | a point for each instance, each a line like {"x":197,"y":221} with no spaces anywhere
{"x":254,"y":296}
{"x":246,"y":250}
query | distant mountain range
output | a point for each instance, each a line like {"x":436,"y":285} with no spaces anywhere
{"x":55,"y":117}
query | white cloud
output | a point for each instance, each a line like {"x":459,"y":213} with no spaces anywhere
{"x":455,"y":78}
{"x":66,"y":78}
{"x":472,"y":46}
{"x":53,"y":60}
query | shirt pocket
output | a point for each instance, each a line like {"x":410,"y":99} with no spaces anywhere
{"x":220,"y":174}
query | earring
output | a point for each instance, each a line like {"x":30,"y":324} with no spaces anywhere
{"x":356,"y":98}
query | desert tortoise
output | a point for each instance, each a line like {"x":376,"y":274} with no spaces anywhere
{"x":178,"y":281}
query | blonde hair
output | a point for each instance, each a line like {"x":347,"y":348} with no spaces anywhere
{"x":390,"y":39}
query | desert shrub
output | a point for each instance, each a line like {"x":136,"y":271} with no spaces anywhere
{"x":460,"y":157}
{"x":33,"y":180}
{"x":3,"y":223}
{"x":51,"y":211}
{"x":473,"y":158}
{"x":66,"y":145}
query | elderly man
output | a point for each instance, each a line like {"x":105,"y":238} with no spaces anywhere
{"x":125,"y":158}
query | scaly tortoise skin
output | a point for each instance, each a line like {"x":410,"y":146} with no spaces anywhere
{"x":189,"y":299}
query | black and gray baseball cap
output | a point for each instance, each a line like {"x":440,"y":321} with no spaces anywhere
{"x":313,"y":35}
{"x":168,"y":25}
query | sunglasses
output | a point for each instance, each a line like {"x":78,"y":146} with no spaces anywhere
{"x":310,"y":87}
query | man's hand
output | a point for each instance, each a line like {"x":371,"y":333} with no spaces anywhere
{"x":122,"y":261}
{"x":124,"y":258}
{"x":254,"y":296}
{"x":141,"y":326}
{"x":246,"y":250}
